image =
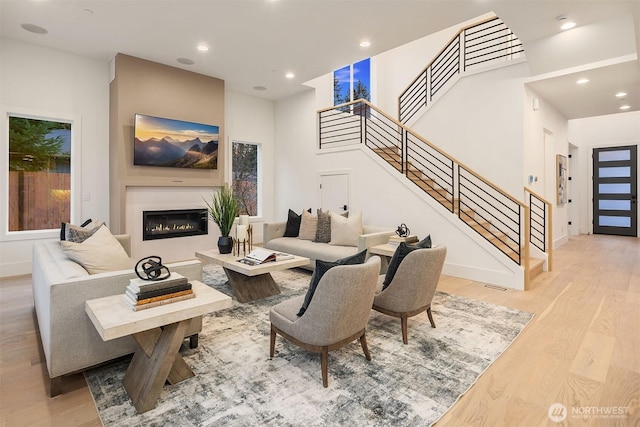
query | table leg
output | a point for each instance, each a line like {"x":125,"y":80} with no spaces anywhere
{"x":251,"y":288}
{"x":156,"y":361}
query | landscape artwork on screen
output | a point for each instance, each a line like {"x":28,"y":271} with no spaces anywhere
{"x":175,"y":143}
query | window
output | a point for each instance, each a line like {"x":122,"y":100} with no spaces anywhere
{"x":39,"y":173}
{"x":352,"y":82}
{"x":244,"y":169}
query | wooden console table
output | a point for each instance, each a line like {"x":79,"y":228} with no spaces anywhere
{"x":159,"y":332}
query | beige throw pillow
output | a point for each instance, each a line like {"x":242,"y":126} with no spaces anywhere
{"x":308,"y":226}
{"x":99,"y":253}
{"x":345,"y":231}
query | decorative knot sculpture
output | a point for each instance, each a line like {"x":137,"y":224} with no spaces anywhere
{"x":151,"y":268}
{"x":402,"y":230}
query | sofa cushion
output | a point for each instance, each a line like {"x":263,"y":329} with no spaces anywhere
{"x":308,"y":226}
{"x":99,"y":253}
{"x":79,"y":233}
{"x":59,"y":262}
{"x":309,"y":249}
{"x":323,"y":231}
{"x":64,"y":225}
{"x":345,"y":231}
{"x":321,"y":268}
{"x":293,"y":224}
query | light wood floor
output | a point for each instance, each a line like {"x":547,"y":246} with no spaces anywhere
{"x":582,"y":348}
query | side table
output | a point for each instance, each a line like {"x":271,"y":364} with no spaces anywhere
{"x":159,"y":332}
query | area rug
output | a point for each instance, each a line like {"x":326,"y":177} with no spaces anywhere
{"x":237,"y":384}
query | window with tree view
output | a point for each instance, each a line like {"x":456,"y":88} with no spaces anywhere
{"x":39,"y":174}
{"x":244,"y":168}
{"x":352,"y":82}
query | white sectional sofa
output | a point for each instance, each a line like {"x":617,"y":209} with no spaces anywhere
{"x":60,"y":289}
{"x":273,"y":239}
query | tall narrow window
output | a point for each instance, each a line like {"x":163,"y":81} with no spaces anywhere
{"x":361,"y":77}
{"x":244,"y":167}
{"x":352,"y":82}
{"x":39,"y":182}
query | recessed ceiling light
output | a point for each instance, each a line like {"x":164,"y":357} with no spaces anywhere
{"x":582,"y":81}
{"x":625,"y":107}
{"x":185,"y":61}
{"x":32,"y":28}
{"x":289,"y":75}
{"x":565,"y":23}
{"x":365,"y":43}
{"x":621,"y":94}
{"x":203,"y":47}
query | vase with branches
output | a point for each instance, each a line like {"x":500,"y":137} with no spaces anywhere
{"x":223,"y":210}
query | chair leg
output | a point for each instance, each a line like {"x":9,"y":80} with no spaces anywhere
{"x":403,"y":322}
{"x":324,"y":361}
{"x":272,"y":344}
{"x":433,"y":324}
{"x":363,"y":343}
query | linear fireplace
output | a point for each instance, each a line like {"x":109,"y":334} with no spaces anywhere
{"x":174,"y":223}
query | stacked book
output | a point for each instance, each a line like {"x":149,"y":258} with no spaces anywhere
{"x":396,"y":240}
{"x":142,"y":294}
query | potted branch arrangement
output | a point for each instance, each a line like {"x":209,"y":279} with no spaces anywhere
{"x":223,"y":210}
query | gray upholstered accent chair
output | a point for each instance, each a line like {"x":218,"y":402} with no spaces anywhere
{"x":337,"y":314}
{"x":413,"y":286}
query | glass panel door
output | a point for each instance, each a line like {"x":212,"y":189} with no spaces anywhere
{"x":615,"y":180}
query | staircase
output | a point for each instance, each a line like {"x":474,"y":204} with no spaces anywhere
{"x":501,"y":219}
{"x":478,"y":47}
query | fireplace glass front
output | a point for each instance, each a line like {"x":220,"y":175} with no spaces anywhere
{"x":174,"y":223}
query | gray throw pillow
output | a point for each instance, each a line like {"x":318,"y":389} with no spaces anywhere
{"x":323,"y":231}
{"x":321,"y":268}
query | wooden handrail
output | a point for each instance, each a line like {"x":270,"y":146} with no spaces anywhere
{"x":528,"y":190}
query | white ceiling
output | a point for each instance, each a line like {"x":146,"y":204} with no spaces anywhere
{"x":255,"y":42}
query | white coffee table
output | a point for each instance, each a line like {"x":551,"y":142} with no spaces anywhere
{"x":250,"y":282}
{"x":159,"y":332}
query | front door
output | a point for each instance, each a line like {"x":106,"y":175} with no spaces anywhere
{"x":615,"y":181}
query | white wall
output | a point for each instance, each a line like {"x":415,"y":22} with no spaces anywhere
{"x":479,"y":122}
{"x":540,"y":160}
{"x":253,"y":120}
{"x":596,"y":132}
{"x":53,"y":82}
{"x":381,"y":194}
{"x":296,"y":162}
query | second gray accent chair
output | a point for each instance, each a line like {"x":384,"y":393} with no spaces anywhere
{"x":412,"y":288}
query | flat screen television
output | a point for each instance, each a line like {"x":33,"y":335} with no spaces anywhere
{"x":174,"y":143}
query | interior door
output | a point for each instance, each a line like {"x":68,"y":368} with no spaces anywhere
{"x":334,"y":192}
{"x":615,"y":181}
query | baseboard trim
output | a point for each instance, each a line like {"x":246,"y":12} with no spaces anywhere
{"x":15,"y":269}
{"x":512,"y":280}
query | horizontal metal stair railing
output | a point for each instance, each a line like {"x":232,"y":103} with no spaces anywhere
{"x":488,"y":210}
{"x":487,"y":42}
{"x":541,"y":228}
